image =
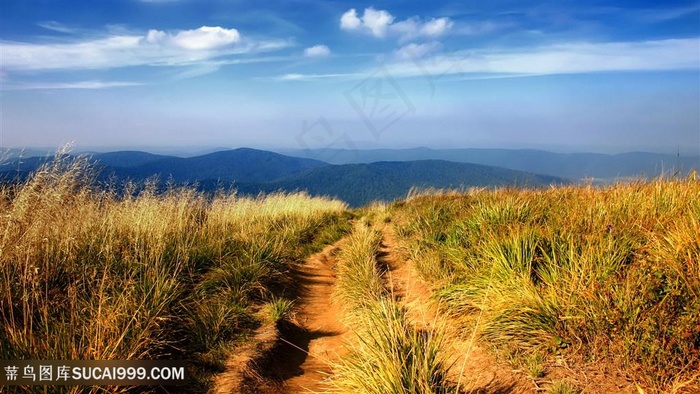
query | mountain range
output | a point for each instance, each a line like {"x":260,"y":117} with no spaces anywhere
{"x":253,"y":171}
{"x":575,"y":166}
{"x":361,"y":176}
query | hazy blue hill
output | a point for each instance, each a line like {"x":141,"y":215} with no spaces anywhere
{"x":22,"y":165}
{"x":8,"y":154}
{"x":243,"y":165}
{"x":572,"y":165}
{"x":126,"y":159}
{"x":122,"y":159}
{"x":359,"y":184}
{"x":253,"y":171}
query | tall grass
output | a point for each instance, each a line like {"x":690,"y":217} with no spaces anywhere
{"x":359,"y":278}
{"x":606,"y":273}
{"x":388,"y":353}
{"x":89,"y":274}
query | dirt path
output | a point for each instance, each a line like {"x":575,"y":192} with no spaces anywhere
{"x":298,"y":355}
{"x":293,"y":357}
{"x":473,"y":367}
{"x":319,"y":335}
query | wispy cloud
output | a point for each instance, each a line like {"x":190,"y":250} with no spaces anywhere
{"x":316,"y":77}
{"x":211,"y":66}
{"x":416,"y":51}
{"x":58,"y":27}
{"x":655,"y":16}
{"x":569,"y":58}
{"x":155,"y":48}
{"x":70,"y":85}
{"x":648,"y":15}
{"x":672,"y":54}
{"x":474,"y":28}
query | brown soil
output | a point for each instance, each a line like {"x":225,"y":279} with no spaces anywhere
{"x":241,"y":366}
{"x":294,"y":357}
{"x":318,"y":340}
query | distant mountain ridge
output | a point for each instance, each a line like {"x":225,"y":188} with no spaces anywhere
{"x":127,"y":159}
{"x":252,"y":171}
{"x":359,"y":184}
{"x":574,"y":166}
{"x":237,"y":165}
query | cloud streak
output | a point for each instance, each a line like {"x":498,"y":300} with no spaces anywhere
{"x":71,"y":85}
{"x":570,"y":58}
{"x":316,"y":77}
{"x":57,"y":27}
{"x":156,"y":48}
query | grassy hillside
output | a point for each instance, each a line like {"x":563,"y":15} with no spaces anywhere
{"x":87,"y":275}
{"x":578,"y":276}
{"x":600,"y":274}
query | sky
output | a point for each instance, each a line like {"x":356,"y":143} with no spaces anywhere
{"x":597,"y":76}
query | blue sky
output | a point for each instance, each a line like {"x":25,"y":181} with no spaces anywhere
{"x":155,"y":74}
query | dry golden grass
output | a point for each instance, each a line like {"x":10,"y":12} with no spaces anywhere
{"x":87,"y":274}
{"x":600,"y":272}
{"x":388,"y":354}
{"x":605,"y":273}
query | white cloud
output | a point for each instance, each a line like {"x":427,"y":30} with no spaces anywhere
{"x":414,"y":51}
{"x":414,"y":27}
{"x":206,"y":37}
{"x":293,"y":77}
{"x":156,"y":37}
{"x":317,"y":51}
{"x":156,"y":48}
{"x":376,"y":21}
{"x":406,"y":29}
{"x":436,"y":27}
{"x":349,"y":20}
{"x":380,"y":23}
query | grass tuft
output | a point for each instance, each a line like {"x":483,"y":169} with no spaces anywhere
{"x":388,"y":353}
